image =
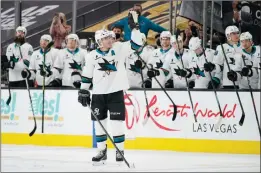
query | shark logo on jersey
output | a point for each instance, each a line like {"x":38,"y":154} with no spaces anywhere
{"x":134,"y":69}
{"x":159,"y":64}
{"x":199,"y":72}
{"x":14,"y":59}
{"x":177,"y":72}
{"x":75,"y":65}
{"x":46,"y":68}
{"x":232,"y":61}
{"x":107,"y":67}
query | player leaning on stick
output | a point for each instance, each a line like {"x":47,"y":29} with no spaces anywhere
{"x":19,"y":55}
{"x":105,"y":68}
{"x":251,"y":55}
{"x":232,"y":51}
{"x":37,"y":67}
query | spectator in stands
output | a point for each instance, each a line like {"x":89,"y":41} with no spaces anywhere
{"x":118,"y":32}
{"x":145,"y":24}
{"x":59,"y":30}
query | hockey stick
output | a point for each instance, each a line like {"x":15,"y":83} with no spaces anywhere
{"x":9,"y":90}
{"x":31,"y":103}
{"x":214,"y":88}
{"x":127,"y":163}
{"x":190,"y":98}
{"x":252,"y":97}
{"x":215,"y":92}
{"x":146,"y":97}
{"x":43,"y":86}
{"x":4,"y":59}
{"x":242,"y":119}
{"x":28,"y":89}
{"x":174,"y":105}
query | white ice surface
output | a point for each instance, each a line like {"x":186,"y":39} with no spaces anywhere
{"x":65,"y":159}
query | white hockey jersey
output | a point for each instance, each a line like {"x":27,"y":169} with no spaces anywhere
{"x":69,"y":62}
{"x":157,"y":60}
{"x":106,"y":71}
{"x":253,"y":60}
{"x":134,"y":74}
{"x":37,"y":64}
{"x":257,"y":66}
{"x":14,"y":50}
{"x":202,"y":78}
{"x":235,"y":61}
{"x":173,"y":64}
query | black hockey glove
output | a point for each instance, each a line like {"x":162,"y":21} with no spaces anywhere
{"x":76,"y":78}
{"x":232,"y":75}
{"x":147,"y":84}
{"x":247,"y":71}
{"x":26,"y":73}
{"x":191,"y":84}
{"x":138,"y":64}
{"x":56,"y":83}
{"x":77,"y":84}
{"x":153,"y":73}
{"x":169,"y":84}
{"x":184,"y":73}
{"x":209,"y":67}
{"x":84,"y":97}
{"x":215,"y":81}
{"x":131,"y":22}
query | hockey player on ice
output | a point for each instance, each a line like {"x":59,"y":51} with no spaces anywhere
{"x":37,"y":67}
{"x":105,"y":68}
{"x":19,"y":56}
{"x":157,"y":59}
{"x":172,"y":67}
{"x":199,"y":68}
{"x":251,"y":54}
{"x":69,"y":64}
{"x":231,"y":49}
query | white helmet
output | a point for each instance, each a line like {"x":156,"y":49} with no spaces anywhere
{"x":46,"y":37}
{"x":245,"y":36}
{"x":74,"y":37}
{"x":231,"y":29}
{"x":174,"y":40}
{"x":138,"y":38}
{"x":194,"y":43}
{"x":113,"y":34}
{"x":165,"y":34}
{"x":21,"y":28}
{"x":100,"y":34}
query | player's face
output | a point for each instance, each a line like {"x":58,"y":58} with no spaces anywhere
{"x":43,"y":43}
{"x":178,"y":46}
{"x":234,"y":36}
{"x":117,"y":30}
{"x":165,"y":42}
{"x":71,"y":44}
{"x":107,"y":42}
{"x":245,"y":44}
{"x":19,"y":34}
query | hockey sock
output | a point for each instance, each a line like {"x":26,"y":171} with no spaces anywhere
{"x":118,"y":133}
{"x":100,"y":135}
